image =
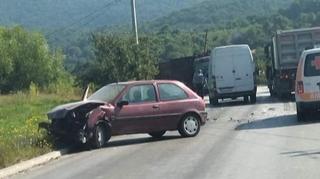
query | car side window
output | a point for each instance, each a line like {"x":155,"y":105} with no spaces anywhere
{"x":170,"y":92}
{"x":312,"y":65}
{"x":140,"y":94}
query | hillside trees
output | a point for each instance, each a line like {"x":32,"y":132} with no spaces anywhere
{"x":118,"y":58}
{"x":25,"y":58}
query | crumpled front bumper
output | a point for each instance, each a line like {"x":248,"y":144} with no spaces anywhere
{"x":65,"y":131}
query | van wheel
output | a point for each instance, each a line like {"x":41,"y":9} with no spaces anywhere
{"x":213,"y":101}
{"x":189,"y":126}
{"x":246,"y":99}
{"x":271,"y":91}
{"x":101,"y":135}
{"x":253,"y":98}
{"x":157,"y":135}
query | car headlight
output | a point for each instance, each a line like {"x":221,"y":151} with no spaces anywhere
{"x":73,"y":115}
{"x":88,"y":114}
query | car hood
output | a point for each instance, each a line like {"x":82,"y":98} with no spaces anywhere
{"x":62,"y":110}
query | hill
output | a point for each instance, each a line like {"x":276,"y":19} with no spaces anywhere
{"x":50,"y":14}
{"x":212,"y":13}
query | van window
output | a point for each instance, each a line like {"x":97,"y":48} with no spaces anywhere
{"x":312,"y":65}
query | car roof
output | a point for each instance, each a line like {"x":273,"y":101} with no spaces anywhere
{"x":310,"y":51}
{"x":233,"y":46}
{"x":146,"y":81}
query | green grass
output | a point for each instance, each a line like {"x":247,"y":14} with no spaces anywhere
{"x":20,"y":114}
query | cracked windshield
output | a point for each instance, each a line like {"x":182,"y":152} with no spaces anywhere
{"x":159,"y":89}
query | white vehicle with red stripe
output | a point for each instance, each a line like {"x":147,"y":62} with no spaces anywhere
{"x":307,"y":90}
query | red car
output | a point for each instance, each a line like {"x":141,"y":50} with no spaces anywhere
{"x":152,"y":107}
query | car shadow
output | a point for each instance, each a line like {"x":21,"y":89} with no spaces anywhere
{"x":276,"y":122}
{"x":311,"y":153}
{"x":240,"y":102}
{"x":126,"y":142}
{"x":123,"y":142}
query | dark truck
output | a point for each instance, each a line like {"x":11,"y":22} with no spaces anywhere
{"x":284,"y":52}
{"x":183,"y":69}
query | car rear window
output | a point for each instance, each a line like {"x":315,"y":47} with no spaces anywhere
{"x":312,"y":65}
{"x":171,"y":92}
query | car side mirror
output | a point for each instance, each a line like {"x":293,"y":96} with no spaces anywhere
{"x":120,"y":104}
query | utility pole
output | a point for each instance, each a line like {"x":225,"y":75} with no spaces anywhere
{"x":205,"y":43}
{"x":134,"y":20}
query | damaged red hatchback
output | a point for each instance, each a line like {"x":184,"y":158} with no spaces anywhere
{"x":152,"y":107}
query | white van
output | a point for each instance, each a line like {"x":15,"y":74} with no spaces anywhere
{"x":307,"y":90}
{"x":231,"y":74}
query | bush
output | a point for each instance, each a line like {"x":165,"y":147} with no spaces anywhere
{"x":23,"y":142}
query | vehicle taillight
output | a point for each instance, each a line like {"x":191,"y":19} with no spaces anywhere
{"x":284,"y":76}
{"x":300,"y":87}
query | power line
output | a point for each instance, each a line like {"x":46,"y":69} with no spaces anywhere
{"x":94,"y":15}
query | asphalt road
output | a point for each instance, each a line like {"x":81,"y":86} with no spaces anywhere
{"x":240,"y":141}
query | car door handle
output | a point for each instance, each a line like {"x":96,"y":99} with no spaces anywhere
{"x":155,"y":106}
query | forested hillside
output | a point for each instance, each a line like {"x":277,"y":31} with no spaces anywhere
{"x":50,"y":14}
{"x":182,"y":33}
{"x":213,"y":13}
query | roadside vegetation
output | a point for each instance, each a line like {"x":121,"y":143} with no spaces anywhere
{"x":20,"y":114}
{"x":32,"y":80}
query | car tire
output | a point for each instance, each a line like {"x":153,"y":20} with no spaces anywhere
{"x":157,"y":135}
{"x":246,"y":99}
{"x":213,"y":101}
{"x":271,"y":91}
{"x":101,"y":135}
{"x":189,"y":126}
{"x":253,"y":98}
{"x":301,"y":115}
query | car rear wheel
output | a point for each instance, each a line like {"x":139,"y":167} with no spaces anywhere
{"x":189,"y":126}
{"x":301,"y":115}
{"x":246,"y":99}
{"x":101,"y":136}
{"x":157,"y":135}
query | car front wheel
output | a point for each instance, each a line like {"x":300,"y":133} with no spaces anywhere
{"x":189,"y":126}
{"x":101,"y":136}
{"x":157,"y":135}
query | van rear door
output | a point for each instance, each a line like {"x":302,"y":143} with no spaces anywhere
{"x":312,"y":76}
{"x":224,"y":72}
{"x":243,"y":68}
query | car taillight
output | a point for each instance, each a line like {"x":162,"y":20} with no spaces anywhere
{"x":284,"y":76}
{"x":300,"y":87}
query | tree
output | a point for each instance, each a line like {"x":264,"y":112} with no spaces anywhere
{"x":117,"y":58}
{"x":25,"y":58}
